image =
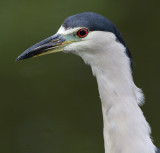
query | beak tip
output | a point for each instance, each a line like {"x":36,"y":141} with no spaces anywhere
{"x":19,"y":58}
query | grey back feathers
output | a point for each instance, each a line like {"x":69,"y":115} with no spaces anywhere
{"x":96,"y":22}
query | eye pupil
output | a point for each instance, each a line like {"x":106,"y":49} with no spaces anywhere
{"x":82,"y":33}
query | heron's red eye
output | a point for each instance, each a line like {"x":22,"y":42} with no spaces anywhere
{"x":82,"y":33}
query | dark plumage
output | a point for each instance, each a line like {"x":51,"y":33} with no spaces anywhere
{"x":96,"y":22}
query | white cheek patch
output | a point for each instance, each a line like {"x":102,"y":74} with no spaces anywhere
{"x":64,"y":31}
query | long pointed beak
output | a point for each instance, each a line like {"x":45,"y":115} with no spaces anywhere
{"x":54,"y":43}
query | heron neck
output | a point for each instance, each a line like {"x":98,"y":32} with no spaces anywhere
{"x":125,"y":127}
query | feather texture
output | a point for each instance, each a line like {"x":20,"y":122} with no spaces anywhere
{"x":125,"y":127}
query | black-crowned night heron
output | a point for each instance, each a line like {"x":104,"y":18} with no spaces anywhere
{"x":100,"y":44}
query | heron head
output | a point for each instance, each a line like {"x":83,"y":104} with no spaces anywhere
{"x":84,"y":33}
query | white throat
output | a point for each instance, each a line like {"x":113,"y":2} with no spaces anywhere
{"x":125,"y":127}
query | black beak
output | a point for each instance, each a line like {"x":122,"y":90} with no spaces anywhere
{"x":51,"y":44}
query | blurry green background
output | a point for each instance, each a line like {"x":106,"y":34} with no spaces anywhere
{"x":51,"y":104}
